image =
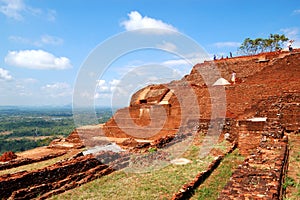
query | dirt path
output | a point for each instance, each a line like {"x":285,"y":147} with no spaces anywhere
{"x":38,"y":152}
{"x":5,"y":132}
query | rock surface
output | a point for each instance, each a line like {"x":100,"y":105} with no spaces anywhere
{"x":162,"y":115}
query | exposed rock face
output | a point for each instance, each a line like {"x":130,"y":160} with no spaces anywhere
{"x":72,"y":141}
{"x":25,"y":161}
{"x":130,"y":142}
{"x":268,"y":87}
{"x":262,"y":173}
{"x":7,"y":156}
{"x":58,"y":177}
{"x":262,"y":76}
{"x":161,"y":115}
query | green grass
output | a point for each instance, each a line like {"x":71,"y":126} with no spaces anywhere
{"x":289,"y":182}
{"x":192,"y":153}
{"x":159,"y":184}
{"x":297,"y":157}
{"x":292,"y":183}
{"x":152,"y":150}
{"x":221,"y":146}
{"x":292,"y":180}
{"x":212,"y":187}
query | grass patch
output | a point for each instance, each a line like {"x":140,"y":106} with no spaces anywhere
{"x":152,"y":150}
{"x":159,"y":184}
{"x":211,"y":188}
{"x":297,"y":157}
{"x":289,"y":182}
{"x":221,"y":146}
{"x":192,"y":153}
{"x":292,"y":179}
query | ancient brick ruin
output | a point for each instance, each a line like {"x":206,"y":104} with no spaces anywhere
{"x":261,"y":110}
{"x":8,"y":156}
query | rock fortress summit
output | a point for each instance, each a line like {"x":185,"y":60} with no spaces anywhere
{"x":261,"y":118}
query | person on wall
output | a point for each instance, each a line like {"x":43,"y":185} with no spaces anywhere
{"x":290,"y":45}
{"x":233,"y":77}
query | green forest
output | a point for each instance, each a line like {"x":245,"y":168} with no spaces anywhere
{"x":23,"y":128}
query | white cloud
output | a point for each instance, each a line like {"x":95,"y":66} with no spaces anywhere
{"x":292,"y":34}
{"x":30,"y":80}
{"x":51,"y":15}
{"x":296,"y":12}
{"x":102,"y":96}
{"x":19,"y":39}
{"x":102,"y":86}
{"x":4,"y":75}
{"x":59,"y":89}
{"x":137,"y":21}
{"x":113,"y":84}
{"x":15,"y":9}
{"x":167,"y":46}
{"x":43,"y":40}
{"x":12,"y":8}
{"x":48,"y":39}
{"x":175,"y":62}
{"x":101,"y":82}
{"x":105,"y":89}
{"x":34,"y":11}
{"x":56,"y":86}
{"x":36,"y":59}
{"x":12,"y":89}
{"x":226,"y":44}
{"x":188,"y":61}
{"x":181,"y":66}
{"x":30,"y":91}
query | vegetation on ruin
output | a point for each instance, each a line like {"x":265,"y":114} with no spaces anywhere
{"x":211,"y":187}
{"x":163,"y":183}
{"x":292,"y":179}
{"x":259,"y":45}
{"x":159,"y":184}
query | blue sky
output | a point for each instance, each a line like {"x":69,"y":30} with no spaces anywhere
{"x":45,"y":42}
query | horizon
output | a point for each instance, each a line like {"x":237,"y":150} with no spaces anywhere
{"x":45,"y":44}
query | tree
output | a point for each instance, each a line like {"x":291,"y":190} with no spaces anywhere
{"x":259,"y":45}
{"x":277,"y":41}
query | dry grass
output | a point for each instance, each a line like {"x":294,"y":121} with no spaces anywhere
{"x":37,"y":165}
{"x":33,"y":137}
{"x":160,"y":184}
{"x":6,"y":133}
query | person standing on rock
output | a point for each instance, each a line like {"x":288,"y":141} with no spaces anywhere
{"x":290,"y":45}
{"x":233,"y":77}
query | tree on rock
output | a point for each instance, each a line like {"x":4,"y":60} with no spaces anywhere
{"x":259,"y":45}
